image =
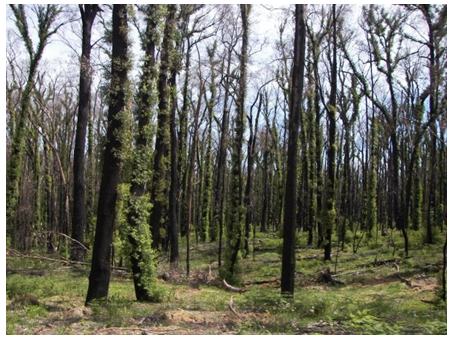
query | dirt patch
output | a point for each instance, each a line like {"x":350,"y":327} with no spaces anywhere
{"x":377,"y":281}
{"x":424,"y":284}
{"x":323,"y":328}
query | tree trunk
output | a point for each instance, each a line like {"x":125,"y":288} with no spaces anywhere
{"x":174,"y":188}
{"x":218,"y":213}
{"x":289,"y":227}
{"x":161,"y":175}
{"x":235,"y":224}
{"x":99,"y":278}
{"x":329,"y":206}
{"x":207,"y":229}
{"x":250,"y":165}
{"x":88,"y":14}
{"x":140,"y":257}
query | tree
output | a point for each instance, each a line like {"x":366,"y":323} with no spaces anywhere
{"x":141,"y":256}
{"x":382,"y":26}
{"x":235,"y":224}
{"x":161,"y":175}
{"x":289,"y":225}
{"x":329,"y":213}
{"x":220,"y":187}
{"x":206,"y":203}
{"x":251,"y":145}
{"x":46,"y":15}
{"x":190,"y":173}
{"x":316,"y":39}
{"x":88,"y":15}
{"x":436,"y":19}
{"x":99,"y":277}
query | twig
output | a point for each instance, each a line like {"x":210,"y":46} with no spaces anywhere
{"x":74,"y":240}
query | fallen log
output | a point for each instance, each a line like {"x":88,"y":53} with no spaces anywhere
{"x":232,"y":288}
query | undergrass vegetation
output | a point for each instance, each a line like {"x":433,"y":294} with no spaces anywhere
{"x":46,"y":297}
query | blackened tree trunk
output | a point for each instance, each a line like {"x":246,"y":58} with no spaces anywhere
{"x":250,"y":164}
{"x":88,"y":14}
{"x":183,"y":140}
{"x":315,"y":40}
{"x":173,"y":228}
{"x":99,"y":278}
{"x":289,"y":226}
{"x":264,"y":217}
{"x":444,"y":272}
{"x":206,"y":229}
{"x":329,"y":199}
{"x":218,"y":213}
{"x":190,"y":177}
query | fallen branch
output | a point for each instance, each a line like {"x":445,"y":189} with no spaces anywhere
{"x":261,"y":282}
{"x":310,"y":257}
{"x":74,"y":240}
{"x":404,"y":280}
{"x":29,"y":272}
{"x":232,"y":288}
{"x":60,"y":261}
{"x":351,"y":273}
{"x":389,"y":261}
{"x":232,"y":309}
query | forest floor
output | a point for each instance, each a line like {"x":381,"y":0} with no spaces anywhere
{"x":375,"y":291}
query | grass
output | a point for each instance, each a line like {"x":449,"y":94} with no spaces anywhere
{"x":372,"y":301}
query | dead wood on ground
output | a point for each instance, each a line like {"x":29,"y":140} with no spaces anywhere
{"x":232,"y":309}
{"x":326,"y":277}
{"x":232,"y":288}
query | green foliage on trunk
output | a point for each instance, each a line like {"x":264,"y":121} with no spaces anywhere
{"x":328,"y":218}
{"x":231,"y":270}
{"x":161,"y":173}
{"x":135,"y":241}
